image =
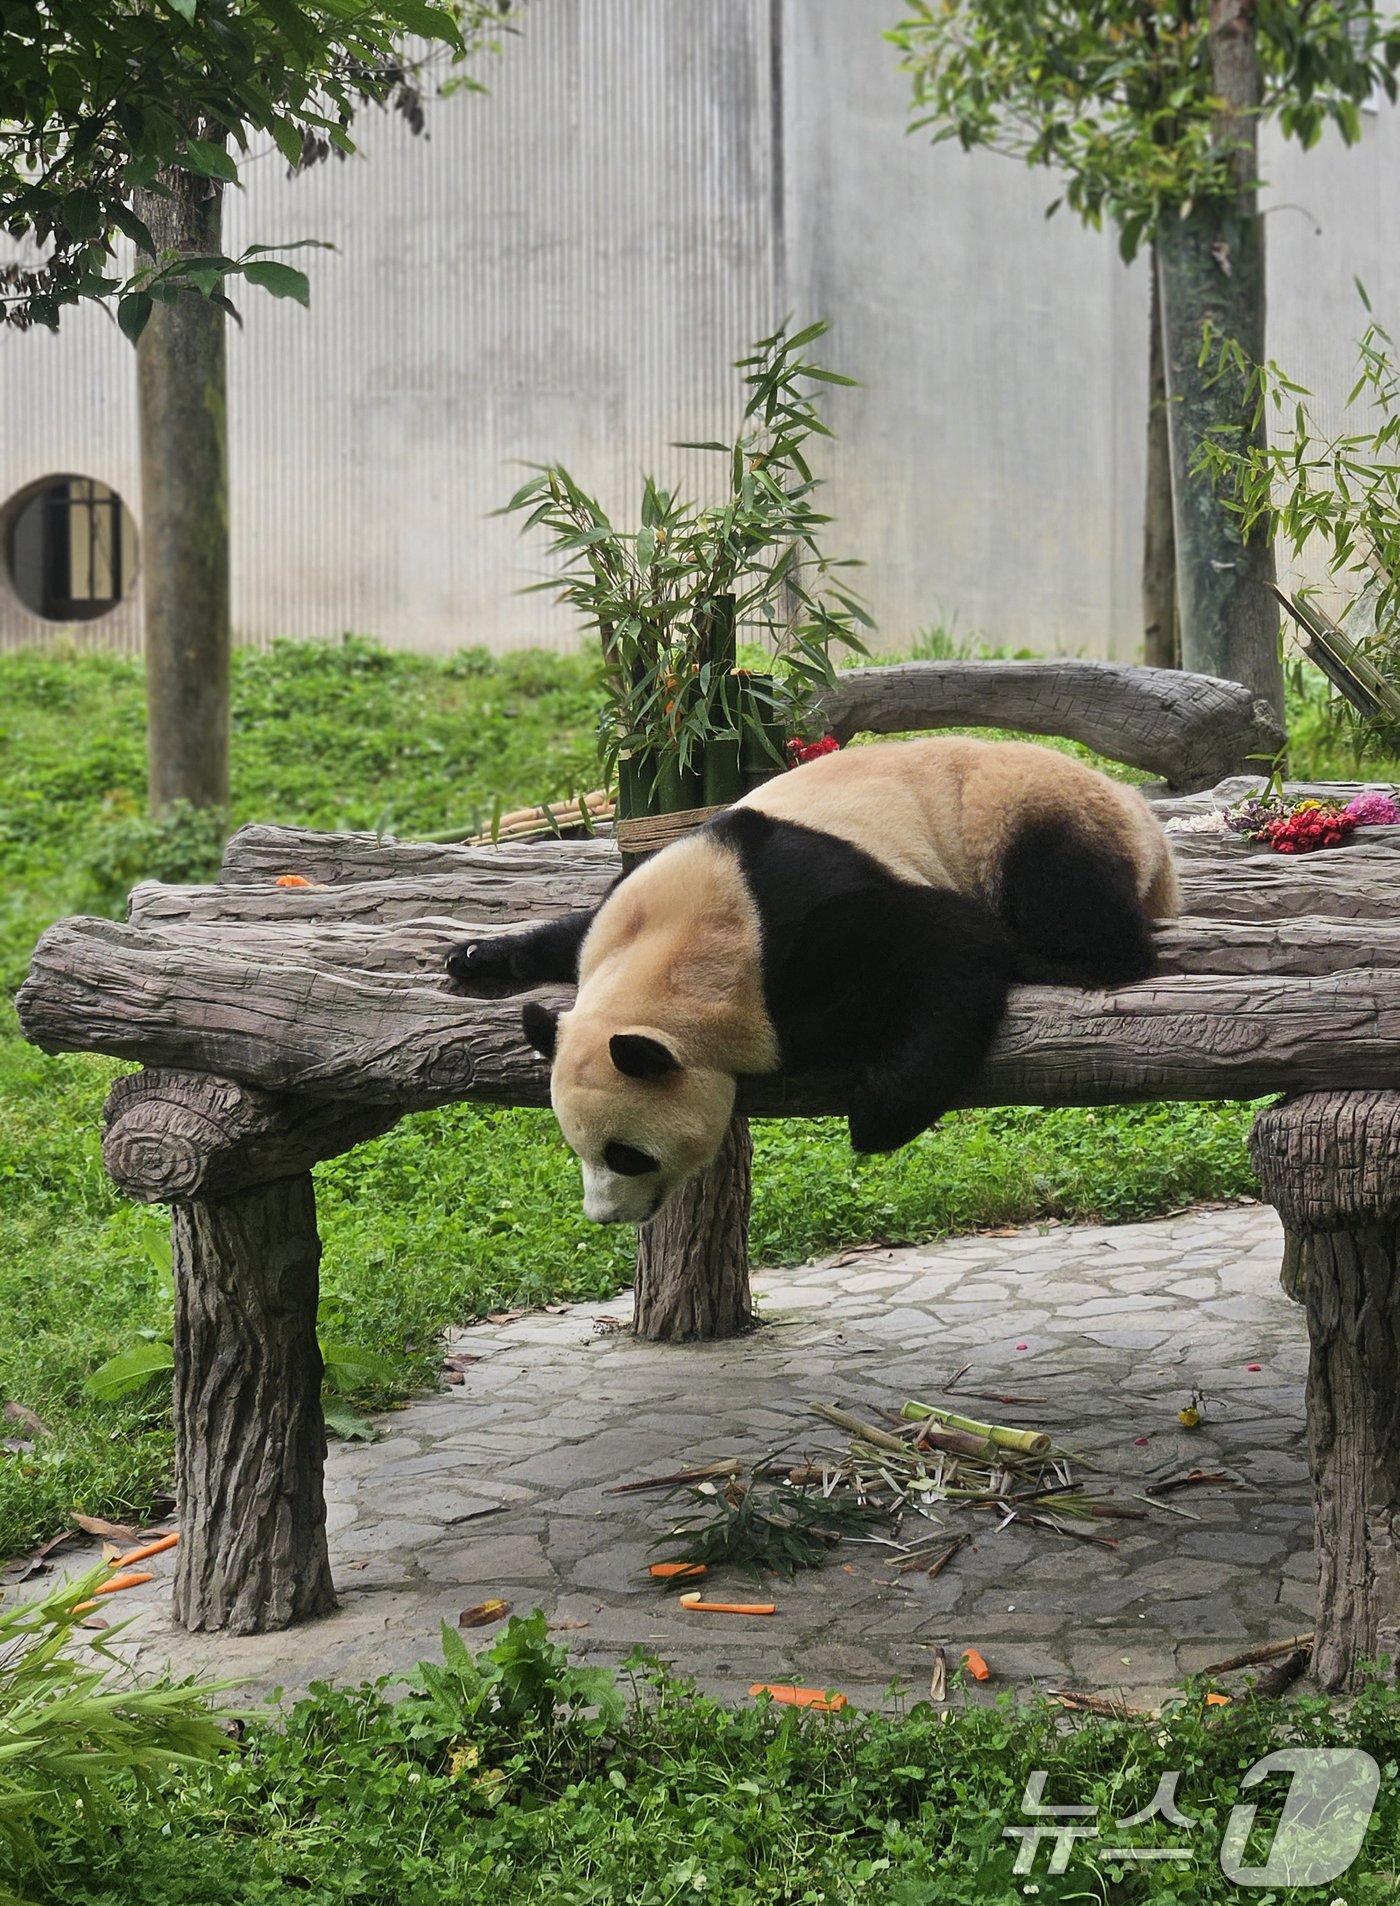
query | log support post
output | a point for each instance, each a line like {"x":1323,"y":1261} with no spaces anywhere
{"x":693,"y":1260}
{"x":251,"y":1443}
{"x":234,"y":1164}
{"x":1329,"y":1162}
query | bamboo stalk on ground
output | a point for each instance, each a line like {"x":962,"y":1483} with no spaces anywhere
{"x":1108,"y":1706}
{"x":1250,"y":1656}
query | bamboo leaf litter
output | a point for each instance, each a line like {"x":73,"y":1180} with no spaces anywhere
{"x":923,"y":1461}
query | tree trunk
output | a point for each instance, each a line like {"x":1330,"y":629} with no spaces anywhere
{"x":251,"y":1441}
{"x":1212,"y":271}
{"x":1330,"y":1163}
{"x":1161,"y":645}
{"x":184,"y":512}
{"x":693,"y":1260}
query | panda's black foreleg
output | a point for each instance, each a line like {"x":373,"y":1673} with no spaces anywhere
{"x":513,"y":962}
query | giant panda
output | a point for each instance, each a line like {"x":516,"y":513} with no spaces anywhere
{"x":865,"y":913}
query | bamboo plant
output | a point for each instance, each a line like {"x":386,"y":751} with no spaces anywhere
{"x":1336,"y":490}
{"x":74,"y":1735}
{"x":682,"y":725}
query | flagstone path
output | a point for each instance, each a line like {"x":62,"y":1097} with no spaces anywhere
{"x":500,"y":1486}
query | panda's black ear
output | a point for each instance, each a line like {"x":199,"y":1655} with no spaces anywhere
{"x":640,"y":1057}
{"x":541,"y":1025}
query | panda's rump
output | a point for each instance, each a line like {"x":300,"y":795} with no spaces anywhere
{"x":1071,"y":905}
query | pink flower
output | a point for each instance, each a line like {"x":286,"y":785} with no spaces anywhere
{"x":1374,"y":809}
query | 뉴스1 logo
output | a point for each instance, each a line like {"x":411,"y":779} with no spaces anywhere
{"x":1331,"y":1794}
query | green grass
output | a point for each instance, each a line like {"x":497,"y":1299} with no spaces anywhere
{"x":453,"y":1213}
{"x":516,"y":1780}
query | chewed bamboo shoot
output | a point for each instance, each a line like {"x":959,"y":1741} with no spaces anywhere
{"x":1028,"y":1442}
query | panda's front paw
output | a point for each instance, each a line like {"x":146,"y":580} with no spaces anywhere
{"x":484,"y":969}
{"x":883,"y":1115}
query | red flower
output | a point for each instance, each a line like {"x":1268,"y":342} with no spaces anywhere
{"x":1304,"y":832}
{"x":800,"y":751}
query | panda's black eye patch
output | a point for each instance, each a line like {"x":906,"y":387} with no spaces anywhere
{"x":626,"y":1160}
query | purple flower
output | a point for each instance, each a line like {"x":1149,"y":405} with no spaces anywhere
{"x":1252,"y":816}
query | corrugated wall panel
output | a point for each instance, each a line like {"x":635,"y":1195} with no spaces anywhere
{"x":979,"y":469}
{"x":566,"y":268}
{"x":563,"y":270}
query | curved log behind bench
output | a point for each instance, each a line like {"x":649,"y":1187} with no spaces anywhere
{"x":483,"y":897}
{"x":1191,"y":729}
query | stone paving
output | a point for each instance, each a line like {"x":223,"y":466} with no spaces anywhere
{"x":500,"y":1487}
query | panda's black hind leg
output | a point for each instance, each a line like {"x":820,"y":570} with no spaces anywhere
{"x":901,"y":987}
{"x":1072,"y":909}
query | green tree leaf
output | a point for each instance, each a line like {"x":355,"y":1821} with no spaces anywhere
{"x":133,"y":313}
{"x":209,"y":160}
{"x":83,"y":213}
{"x":283,"y":281}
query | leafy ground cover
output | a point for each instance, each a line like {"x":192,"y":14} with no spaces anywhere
{"x":514,"y":1777}
{"x":454,"y":1213}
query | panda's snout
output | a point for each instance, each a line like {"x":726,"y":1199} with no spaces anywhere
{"x":610,"y":1198}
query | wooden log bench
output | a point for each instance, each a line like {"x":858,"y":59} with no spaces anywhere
{"x":281,"y":1025}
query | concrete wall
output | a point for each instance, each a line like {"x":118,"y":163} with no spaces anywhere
{"x":566,"y":268}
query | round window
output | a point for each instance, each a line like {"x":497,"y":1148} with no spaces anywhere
{"x":69,"y":548}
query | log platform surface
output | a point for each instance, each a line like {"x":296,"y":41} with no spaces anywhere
{"x":280,"y":1025}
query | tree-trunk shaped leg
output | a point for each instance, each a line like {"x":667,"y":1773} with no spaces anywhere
{"x":693,"y":1260}
{"x":1330,"y":1164}
{"x":251,"y":1440}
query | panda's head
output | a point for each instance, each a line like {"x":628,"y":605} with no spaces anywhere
{"x":640,"y":1121}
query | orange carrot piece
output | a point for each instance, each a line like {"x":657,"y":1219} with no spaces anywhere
{"x":146,"y":1551}
{"x":117,"y":1583}
{"x":693,"y":1602}
{"x":667,"y":1571}
{"x":1217,"y":1700}
{"x":975,"y":1665}
{"x":816,"y":1698}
